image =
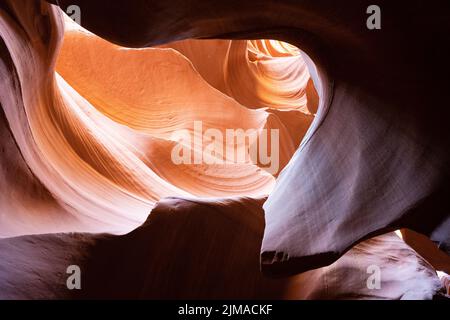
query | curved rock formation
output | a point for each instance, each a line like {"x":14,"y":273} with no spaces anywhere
{"x":162,"y":259}
{"x":101,"y":138}
{"x":374,"y":160}
{"x":98,"y":126}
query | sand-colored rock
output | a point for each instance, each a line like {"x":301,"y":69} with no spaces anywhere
{"x":87,"y":129}
{"x":98,"y":131}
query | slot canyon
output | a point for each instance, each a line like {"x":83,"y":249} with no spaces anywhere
{"x":197,"y":149}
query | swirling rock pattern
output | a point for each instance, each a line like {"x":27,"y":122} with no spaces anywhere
{"x":374,"y":160}
{"x":100,"y":127}
{"x":88,"y":123}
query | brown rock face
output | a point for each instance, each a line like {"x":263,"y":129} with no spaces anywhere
{"x":201,"y":249}
{"x":294,"y":155}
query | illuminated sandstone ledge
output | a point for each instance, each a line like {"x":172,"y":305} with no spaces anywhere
{"x":101,"y":133}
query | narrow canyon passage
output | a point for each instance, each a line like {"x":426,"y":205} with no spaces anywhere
{"x":256,"y":157}
{"x":126,"y":127}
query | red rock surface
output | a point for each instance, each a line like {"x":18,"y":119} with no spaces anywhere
{"x":87,"y":128}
